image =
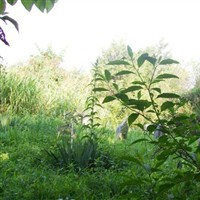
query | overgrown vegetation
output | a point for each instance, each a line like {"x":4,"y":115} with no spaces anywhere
{"x":57,"y":139}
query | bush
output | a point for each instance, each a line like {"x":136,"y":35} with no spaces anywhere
{"x":144,"y":98}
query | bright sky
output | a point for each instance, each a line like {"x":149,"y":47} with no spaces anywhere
{"x":83,"y":28}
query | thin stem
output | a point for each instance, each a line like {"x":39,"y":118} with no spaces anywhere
{"x":135,"y":111}
{"x":148,"y":88}
{"x":193,"y":162}
{"x":150,"y":94}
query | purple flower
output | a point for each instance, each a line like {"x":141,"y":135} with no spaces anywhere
{"x":3,"y":37}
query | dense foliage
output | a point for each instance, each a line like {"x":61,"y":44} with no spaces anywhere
{"x":49,"y":151}
{"x":42,"y":5}
{"x":178,"y":131}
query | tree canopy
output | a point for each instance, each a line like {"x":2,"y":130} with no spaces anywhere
{"x":42,"y":5}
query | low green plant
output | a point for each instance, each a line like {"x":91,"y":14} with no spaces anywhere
{"x":145,"y":98}
{"x":81,"y":152}
{"x":79,"y":155}
{"x":92,"y":104}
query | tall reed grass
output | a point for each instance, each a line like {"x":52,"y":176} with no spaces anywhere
{"x":41,"y":86}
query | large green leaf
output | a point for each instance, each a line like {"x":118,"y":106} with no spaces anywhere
{"x":138,"y":82}
{"x":28,"y":4}
{"x":108,"y":99}
{"x":130,"y":52}
{"x":139,"y":94}
{"x":166,"y":76}
{"x":118,"y":62}
{"x":139,"y":104}
{"x":49,"y":4}
{"x":152,"y":60}
{"x":166,"y":105}
{"x":99,"y":79}
{"x":151,"y":127}
{"x":41,"y":4}
{"x":168,"y":95}
{"x":124,"y":72}
{"x":12,"y":2}
{"x":168,"y":62}
{"x":142,"y":59}
{"x":45,"y":4}
{"x":123,"y":97}
{"x":115,"y":86}
{"x":132,"y":118}
{"x":157,"y":90}
{"x":100,"y":89}
{"x":132,"y":89}
{"x":156,"y":80}
{"x":2,"y":6}
{"x":108,"y":75}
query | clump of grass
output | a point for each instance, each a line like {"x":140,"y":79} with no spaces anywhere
{"x":80,"y":155}
{"x":19,"y":95}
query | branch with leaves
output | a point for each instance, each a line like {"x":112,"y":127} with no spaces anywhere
{"x":42,"y":5}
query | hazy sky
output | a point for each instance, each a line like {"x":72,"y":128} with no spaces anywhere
{"x":83,"y":28}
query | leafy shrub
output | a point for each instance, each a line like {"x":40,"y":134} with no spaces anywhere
{"x":180,"y":131}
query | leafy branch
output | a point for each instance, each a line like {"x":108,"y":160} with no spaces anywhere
{"x":42,"y":5}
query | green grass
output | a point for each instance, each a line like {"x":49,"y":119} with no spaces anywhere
{"x":27,"y":171}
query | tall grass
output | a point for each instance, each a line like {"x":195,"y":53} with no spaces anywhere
{"x":41,"y":86}
{"x":19,"y":95}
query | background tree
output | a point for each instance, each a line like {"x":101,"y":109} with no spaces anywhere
{"x":193,"y":95}
{"x":196,"y":72}
{"x":159,"y":49}
{"x":116,"y":50}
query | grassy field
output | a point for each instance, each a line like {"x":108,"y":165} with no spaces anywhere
{"x":29,"y":172}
